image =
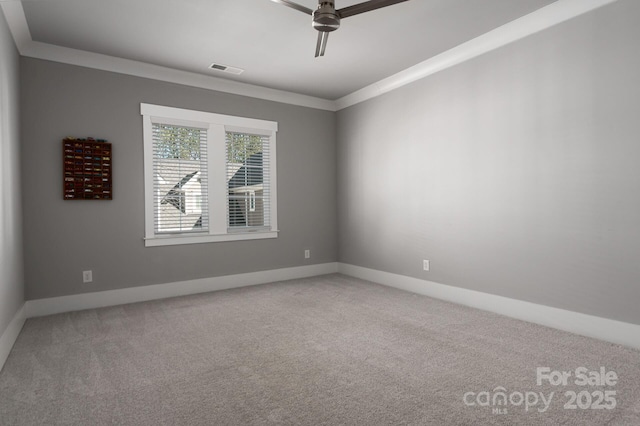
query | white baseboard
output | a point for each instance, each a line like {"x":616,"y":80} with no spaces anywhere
{"x":586,"y":325}
{"x":78,"y":302}
{"x":8,"y":338}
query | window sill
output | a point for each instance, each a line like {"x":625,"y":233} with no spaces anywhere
{"x":171,"y":240}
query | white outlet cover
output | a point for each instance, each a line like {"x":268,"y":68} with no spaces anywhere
{"x":425,"y":265}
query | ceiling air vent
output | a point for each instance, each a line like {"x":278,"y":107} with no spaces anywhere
{"x":226,"y":68}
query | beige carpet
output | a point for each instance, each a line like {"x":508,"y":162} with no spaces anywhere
{"x":321,"y":351}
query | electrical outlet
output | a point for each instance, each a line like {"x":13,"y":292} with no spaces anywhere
{"x":425,"y":265}
{"x":307,"y":254}
{"x":87,"y":276}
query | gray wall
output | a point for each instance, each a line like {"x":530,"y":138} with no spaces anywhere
{"x":516,"y":173}
{"x":11,"y":265}
{"x":63,"y":238}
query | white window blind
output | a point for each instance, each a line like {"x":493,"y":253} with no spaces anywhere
{"x":180,"y":179}
{"x":248,"y":185}
{"x":208,"y":177}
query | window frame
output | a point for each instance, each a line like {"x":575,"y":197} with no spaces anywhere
{"x":217,"y":126}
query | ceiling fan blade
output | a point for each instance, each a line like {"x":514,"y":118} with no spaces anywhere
{"x":356,"y":9}
{"x":321,"y":45}
{"x":295,"y":6}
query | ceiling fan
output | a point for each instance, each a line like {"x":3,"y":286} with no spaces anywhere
{"x":326,"y":18}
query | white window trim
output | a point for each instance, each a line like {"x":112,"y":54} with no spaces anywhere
{"x":217,"y":125}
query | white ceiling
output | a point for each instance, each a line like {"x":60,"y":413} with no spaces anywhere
{"x":274,"y":44}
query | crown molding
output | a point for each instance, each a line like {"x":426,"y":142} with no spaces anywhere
{"x":14,"y":14}
{"x":19,"y":28}
{"x":539,"y":20}
{"x":141,"y":69}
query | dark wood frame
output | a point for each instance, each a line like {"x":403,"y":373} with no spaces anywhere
{"x":87,"y":169}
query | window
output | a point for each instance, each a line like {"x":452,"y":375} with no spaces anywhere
{"x":246,"y":163}
{"x":179,"y":176}
{"x":208,"y":177}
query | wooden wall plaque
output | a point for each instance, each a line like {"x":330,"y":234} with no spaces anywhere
{"x":87,"y":169}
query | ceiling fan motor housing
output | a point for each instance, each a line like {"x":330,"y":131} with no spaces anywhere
{"x":325,"y":17}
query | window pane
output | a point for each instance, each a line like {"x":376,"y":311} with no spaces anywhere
{"x":247,"y":180}
{"x":180,"y":181}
